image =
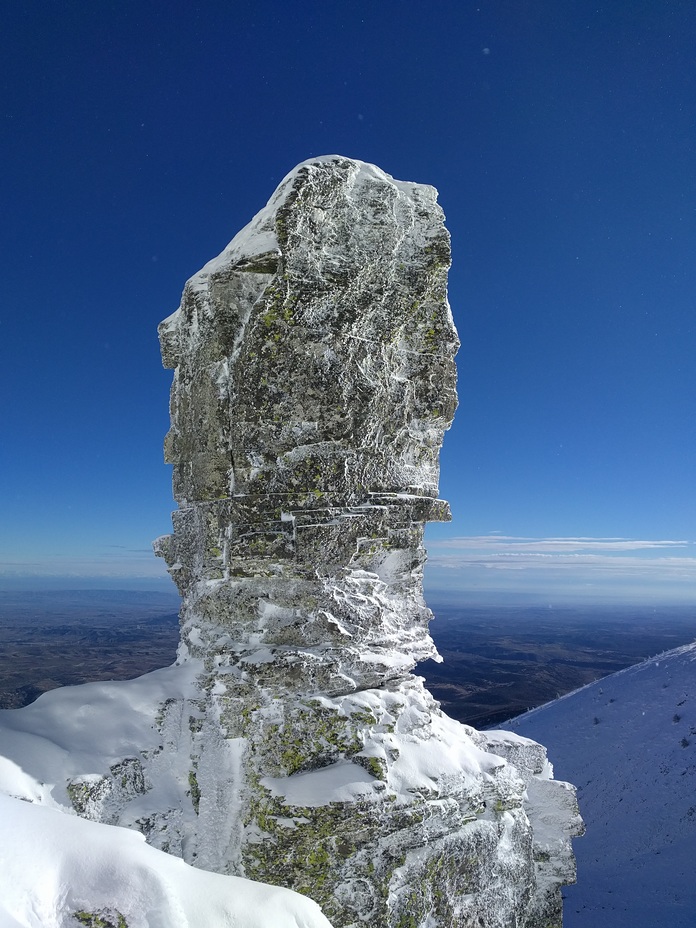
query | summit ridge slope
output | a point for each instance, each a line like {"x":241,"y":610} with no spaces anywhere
{"x":628,"y":742}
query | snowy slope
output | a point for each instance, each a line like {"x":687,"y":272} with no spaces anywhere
{"x":629,"y":743}
{"x":54,"y":864}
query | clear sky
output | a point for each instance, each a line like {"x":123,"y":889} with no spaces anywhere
{"x":137,"y":138}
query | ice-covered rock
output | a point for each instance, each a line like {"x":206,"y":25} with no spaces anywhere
{"x":314,"y":379}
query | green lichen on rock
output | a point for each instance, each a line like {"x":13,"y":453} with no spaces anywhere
{"x":87,"y":794}
{"x":104,"y":918}
{"x":310,"y":736}
{"x":194,"y":790}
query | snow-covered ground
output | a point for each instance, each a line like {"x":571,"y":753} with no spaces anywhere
{"x":54,"y":865}
{"x":628,"y":742}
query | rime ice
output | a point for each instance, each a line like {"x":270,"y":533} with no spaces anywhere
{"x":314,"y":380}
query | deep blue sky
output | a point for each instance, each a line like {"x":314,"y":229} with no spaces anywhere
{"x":137,"y":138}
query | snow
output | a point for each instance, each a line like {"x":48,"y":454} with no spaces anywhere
{"x":335,"y":783}
{"x":445,"y":754}
{"x":628,"y":742}
{"x":53,"y":863}
{"x":74,"y":730}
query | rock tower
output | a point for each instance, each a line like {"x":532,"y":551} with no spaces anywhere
{"x":314,"y":378}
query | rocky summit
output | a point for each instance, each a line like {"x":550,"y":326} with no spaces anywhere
{"x":314,"y":378}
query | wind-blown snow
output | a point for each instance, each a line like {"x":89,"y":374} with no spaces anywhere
{"x":53,"y":863}
{"x":629,"y":743}
{"x":335,"y":783}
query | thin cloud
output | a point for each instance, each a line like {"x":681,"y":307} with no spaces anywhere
{"x":685,"y":566}
{"x":570,"y":569}
{"x":512,"y":543}
{"x":517,"y":562}
{"x":571,"y":551}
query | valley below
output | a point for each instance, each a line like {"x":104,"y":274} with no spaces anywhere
{"x":498,"y":661}
{"x":66,"y":637}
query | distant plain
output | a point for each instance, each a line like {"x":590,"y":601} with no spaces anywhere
{"x":65,"y":637}
{"x":498,"y":661}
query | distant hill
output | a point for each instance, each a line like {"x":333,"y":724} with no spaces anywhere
{"x":628,"y":742}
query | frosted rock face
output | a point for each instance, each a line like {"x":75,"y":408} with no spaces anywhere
{"x":314,"y":379}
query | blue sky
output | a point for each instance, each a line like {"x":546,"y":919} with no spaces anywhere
{"x":137,"y":138}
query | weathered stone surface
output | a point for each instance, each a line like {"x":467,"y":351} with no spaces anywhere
{"x":314,"y":379}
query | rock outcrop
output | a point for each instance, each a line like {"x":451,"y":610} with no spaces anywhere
{"x":314,"y":379}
